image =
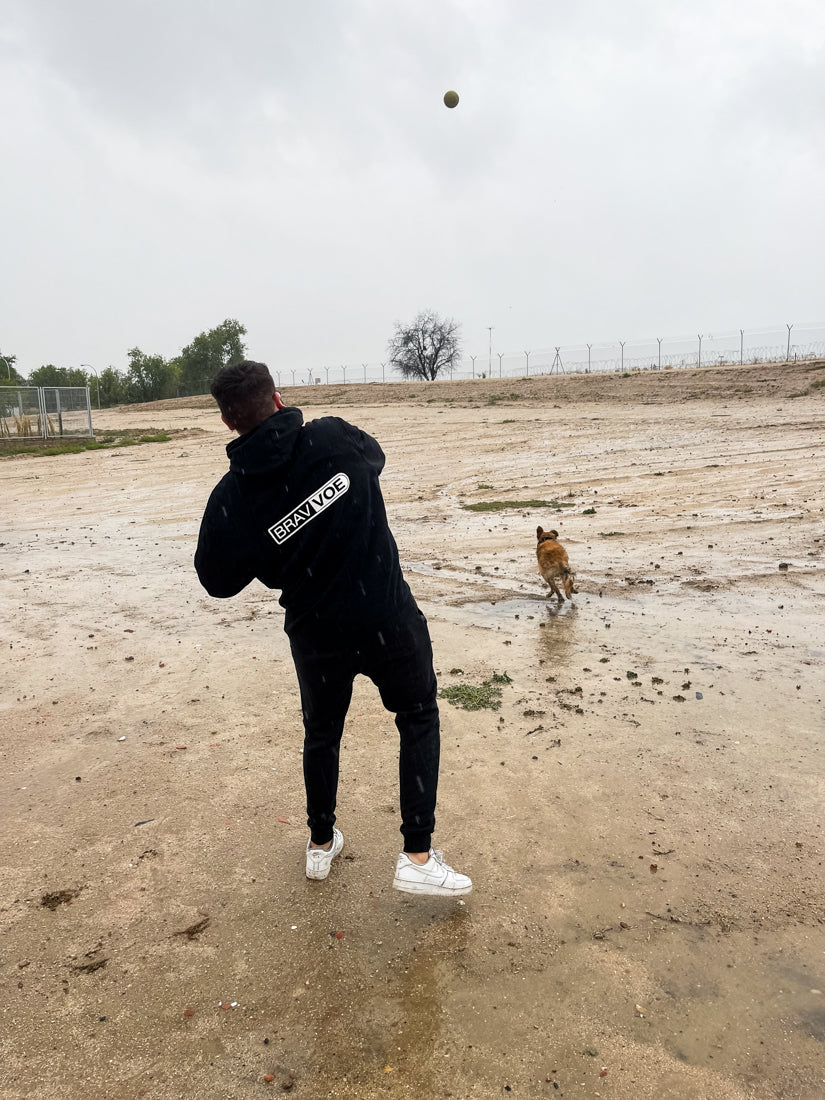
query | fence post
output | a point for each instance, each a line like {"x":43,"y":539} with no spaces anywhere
{"x":527,"y":357}
{"x":41,"y":404}
{"x":741,"y":345}
{"x":660,"y":351}
{"x":700,"y":348}
{"x":589,"y":346}
{"x":473,"y":365}
{"x":623,"y":342}
{"x":788,"y":356}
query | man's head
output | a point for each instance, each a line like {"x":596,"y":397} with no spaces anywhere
{"x":245,"y":394}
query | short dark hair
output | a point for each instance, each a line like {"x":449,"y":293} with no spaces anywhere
{"x":244,"y":394}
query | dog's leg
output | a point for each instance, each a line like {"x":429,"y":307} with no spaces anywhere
{"x":555,"y":590}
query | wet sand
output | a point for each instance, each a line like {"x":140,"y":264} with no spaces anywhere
{"x":642,"y":818}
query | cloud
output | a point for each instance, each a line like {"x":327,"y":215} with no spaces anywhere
{"x":608,"y":167}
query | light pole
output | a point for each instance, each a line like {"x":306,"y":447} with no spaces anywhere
{"x":8,"y":365}
{"x":589,"y":346}
{"x":700,"y":348}
{"x":500,"y":357}
{"x":623,"y":342}
{"x":94,"y":372}
{"x":490,"y":353}
{"x":527,"y":359}
{"x":788,"y":356}
{"x":473,"y":362}
{"x":659,"y":340}
{"x":741,"y":346}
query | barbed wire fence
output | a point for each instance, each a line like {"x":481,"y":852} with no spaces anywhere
{"x":788,"y":343}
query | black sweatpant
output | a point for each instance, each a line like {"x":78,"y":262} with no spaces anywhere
{"x":398,"y":658}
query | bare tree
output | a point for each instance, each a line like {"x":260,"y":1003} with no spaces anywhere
{"x":426,"y":347}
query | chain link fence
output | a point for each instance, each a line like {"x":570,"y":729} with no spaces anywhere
{"x":45,"y":412}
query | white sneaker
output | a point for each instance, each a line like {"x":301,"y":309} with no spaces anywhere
{"x":432,"y":877}
{"x":319,"y":860}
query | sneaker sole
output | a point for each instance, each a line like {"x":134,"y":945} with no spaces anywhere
{"x":430,"y":888}
{"x":318,"y":878}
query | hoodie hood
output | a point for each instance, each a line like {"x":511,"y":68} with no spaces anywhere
{"x":267,"y":447}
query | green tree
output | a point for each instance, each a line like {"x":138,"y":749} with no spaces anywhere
{"x":425,"y":348}
{"x":9,"y":375}
{"x":149,"y":377}
{"x":209,"y":352}
{"x":47,"y":375}
{"x":50,"y":375}
{"x":114,"y":388}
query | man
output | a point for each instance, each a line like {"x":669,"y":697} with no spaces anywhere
{"x":301,"y":510}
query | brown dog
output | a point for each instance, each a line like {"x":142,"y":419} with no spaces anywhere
{"x":553,"y":564}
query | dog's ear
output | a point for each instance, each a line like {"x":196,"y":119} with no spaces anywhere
{"x":539,"y":532}
{"x":555,"y":534}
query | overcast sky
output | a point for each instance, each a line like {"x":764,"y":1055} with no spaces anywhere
{"x":615,"y":169}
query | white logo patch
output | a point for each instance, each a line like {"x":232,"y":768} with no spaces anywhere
{"x":313,"y":505}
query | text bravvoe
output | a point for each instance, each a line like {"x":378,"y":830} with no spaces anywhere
{"x":314,"y":504}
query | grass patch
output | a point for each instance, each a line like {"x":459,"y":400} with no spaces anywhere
{"x":105,"y":440}
{"x":502,"y":505}
{"x":589,"y":512}
{"x":484,"y":696}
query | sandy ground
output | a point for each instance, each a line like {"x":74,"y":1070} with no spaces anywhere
{"x":642,"y":818}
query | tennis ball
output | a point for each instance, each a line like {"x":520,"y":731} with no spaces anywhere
{"x":451,"y":99}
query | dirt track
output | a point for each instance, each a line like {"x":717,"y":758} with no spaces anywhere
{"x":642,"y":818}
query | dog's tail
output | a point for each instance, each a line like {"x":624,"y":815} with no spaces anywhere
{"x":570,"y":582}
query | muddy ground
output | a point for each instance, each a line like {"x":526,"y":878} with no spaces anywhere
{"x":642,"y":817}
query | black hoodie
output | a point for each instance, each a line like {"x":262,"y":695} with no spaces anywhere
{"x":301,"y":509}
